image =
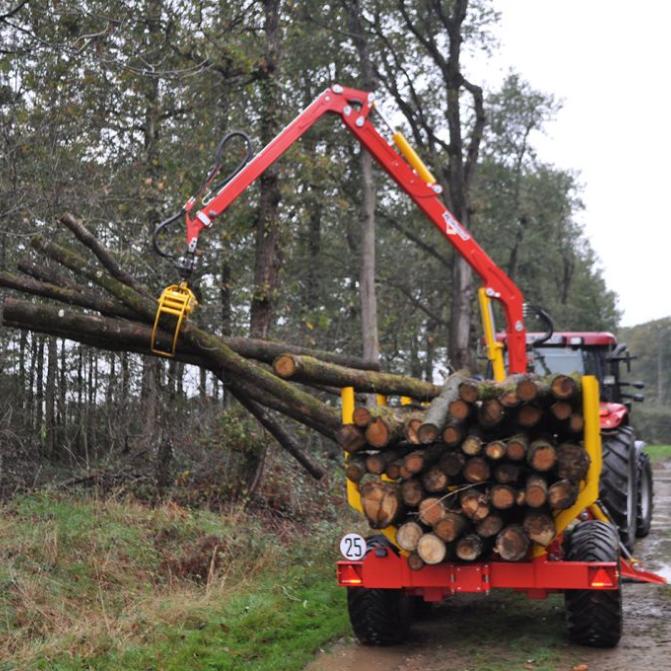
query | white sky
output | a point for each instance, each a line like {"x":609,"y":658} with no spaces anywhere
{"x":608,"y":61}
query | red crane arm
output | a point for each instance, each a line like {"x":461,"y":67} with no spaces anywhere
{"x":354,"y":107}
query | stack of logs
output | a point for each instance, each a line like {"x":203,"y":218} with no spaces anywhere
{"x":484,"y":469}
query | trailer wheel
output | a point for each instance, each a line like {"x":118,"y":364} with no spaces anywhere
{"x":379,"y":616}
{"x":645,"y":495}
{"x":594,"y":616}
{"x":618,"y":489}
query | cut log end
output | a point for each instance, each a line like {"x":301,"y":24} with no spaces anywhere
{"x":431,"y":549}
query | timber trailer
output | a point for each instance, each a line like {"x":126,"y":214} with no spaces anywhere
{"x":591,"y":553}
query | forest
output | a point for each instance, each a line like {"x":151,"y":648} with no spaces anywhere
{"x":113,"y":110}
{"x":150,"y":517}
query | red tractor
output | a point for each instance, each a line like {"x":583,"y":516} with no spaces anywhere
{"x":590,"y":552}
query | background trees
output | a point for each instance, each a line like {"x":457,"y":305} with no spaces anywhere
{"x":114,"y":109}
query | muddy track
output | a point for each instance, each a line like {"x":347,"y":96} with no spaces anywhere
{"x":504,"y":631}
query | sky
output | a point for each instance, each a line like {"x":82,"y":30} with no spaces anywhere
{"x":608,"y":62}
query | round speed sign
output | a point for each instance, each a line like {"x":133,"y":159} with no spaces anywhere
{"x":353,"y":546}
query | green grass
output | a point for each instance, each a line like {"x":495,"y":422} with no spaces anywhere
{"x":659,"y":453}
{"x":91,"y":584}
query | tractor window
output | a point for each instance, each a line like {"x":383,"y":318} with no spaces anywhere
{"x":565,"y":360}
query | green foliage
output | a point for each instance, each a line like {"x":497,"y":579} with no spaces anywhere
{"x":99,"y":584}
{"x":659,"y":453}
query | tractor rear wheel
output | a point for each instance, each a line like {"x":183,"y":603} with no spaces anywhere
{"x":594,"y":616}
{"x":618,"y":489}
{"x":379,"y":616}
{"x":645,"y":495}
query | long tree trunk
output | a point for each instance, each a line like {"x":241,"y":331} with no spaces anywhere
{"x":268,"y":252}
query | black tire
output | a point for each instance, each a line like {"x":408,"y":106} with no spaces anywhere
{"x":594,"y":616}
{"x":379,"y":616}
{"x":619,"y":480}
{"x":645,"y":495}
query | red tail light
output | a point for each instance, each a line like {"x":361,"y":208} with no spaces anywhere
{"x":349,"y":574}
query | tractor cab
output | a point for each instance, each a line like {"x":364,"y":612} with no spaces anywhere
{"x":584,"y":353}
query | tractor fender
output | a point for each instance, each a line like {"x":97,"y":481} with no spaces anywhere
{"x":613,"y":415}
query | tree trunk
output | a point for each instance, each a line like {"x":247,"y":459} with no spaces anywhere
{"x":268,"y":252}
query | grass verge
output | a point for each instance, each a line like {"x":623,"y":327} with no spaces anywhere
{"x":659,"y":453}
{"x":105,"y":584}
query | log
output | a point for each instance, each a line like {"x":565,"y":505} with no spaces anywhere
{"x":412,"y":492}
{"x":542,"y":455}
{"x":408,"y":536}
{"x":495,"y":450}
{"x":512,"y":543}
{"x":435,"y":480}
{"x":576,"y":423}
{"x":431,"y":511}
{"x":411,"y":428}
{"x":529,"y":415}
{"x":451,"y":463}
{"x":502,"y":497}
{"x":561,"y":410}
{"x":491,"y":413}
{"x":283,"y":438}
{"x":310,"y":369}
{"x":393,"y":470}
{"x":516,"y":447}
{"x":469,"y":390}
{"x":562,"y":494}
{"x":509,"y":398}
{"x":490,"y":526}
{"x":350,"y":438}
{"x":453,"y":433}
{"x":204,"y":343}
{"x":450,"y":527}
{"x":376,"y":463}
{"x":459,"y":410}
{"x":431,"y":549}
{"x":507,"y":473}
{"x":540,"y":527}
{"x":529,"y":388}
{"x":415,"y":562}
{"x":415,"y":461}
{"x":386,"y":429}
{"x":361,"y":417}
{"x":356,"y":467}
{"x":436,"y":416}
{"x":470,"y":547}
{"x":381,"y":503}
{"x":572,"y":462}
{"x":536,"y":492}
{"x":476,"y":470}
{"x":474,"y":504}
{"x":472,"y":444}
{"x":564,"y":387}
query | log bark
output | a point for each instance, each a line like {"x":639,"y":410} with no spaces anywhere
{"x":381,"y":503}
{"x":502,"y":497}
{"x":450,"y":527}
{"x":536,"y":492}
{"x":431,"y":511}
{"x":437,"y":414}
{"x":542,"y":455}
{"x":572,"y":462}
{"x":412,"y":492}
{"x":431,"y":549}
{"x":495,"y":450}
{"x":309,"y":369}
{"x":512,"y":543}
{"x":356,"y":467}
{"x":474,"y":504}
{"x":470,"y":547}
{"x":516,"y":447}
{"x":476,"y":470}
{"x":408,"y":536}
{"x":540,"y":527}
{"x":562,"y":494}
{"x":490,"y":526}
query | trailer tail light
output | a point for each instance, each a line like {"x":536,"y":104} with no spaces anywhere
{"x":602,"y":578}
{"x":349,"y":574}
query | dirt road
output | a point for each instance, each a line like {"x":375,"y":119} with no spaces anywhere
{"x":508,"y":632}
